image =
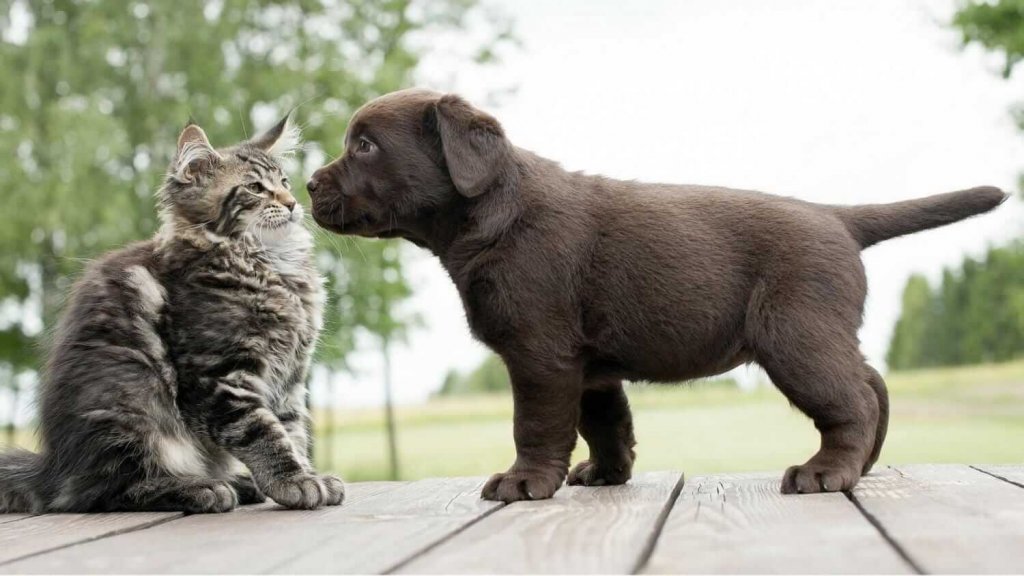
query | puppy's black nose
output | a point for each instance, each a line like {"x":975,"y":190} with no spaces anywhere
{"x":312,"y":185}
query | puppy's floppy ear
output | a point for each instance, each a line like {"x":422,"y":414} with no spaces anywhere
{"x":474,"y":145}
{"x":195,"y":155}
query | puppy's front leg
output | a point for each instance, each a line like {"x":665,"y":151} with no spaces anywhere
{"x":547,"y":408}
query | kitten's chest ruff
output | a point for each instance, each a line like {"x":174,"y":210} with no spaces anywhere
{"x":249,"y":312}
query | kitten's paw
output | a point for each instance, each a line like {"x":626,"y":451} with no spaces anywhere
{"x":248,"y":492}
{"x":335,"y":490}
{"x":208,"y":497}
{"x":306,"y":491}
{"x":523,"y":483}
{"x":590,"y":473}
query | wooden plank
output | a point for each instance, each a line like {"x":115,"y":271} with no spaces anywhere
{"x":581,"y":530}
{"x":949,"y":518}
{"x":56,"y":531}
{"x":382,"y":534}
{"x":1012,"y":474}
{"x":187,"y":541}
{"x":379,"y":525}
{"x":741,"y":523}
{"x":5,"y":518}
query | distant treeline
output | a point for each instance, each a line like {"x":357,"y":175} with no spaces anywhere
{"x":975,"y":315}
{"x":489,"y":376}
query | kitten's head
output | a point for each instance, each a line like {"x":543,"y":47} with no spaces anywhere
{"x":234,"y":191}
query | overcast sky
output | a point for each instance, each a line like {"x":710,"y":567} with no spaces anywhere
{"x":839,"y":102}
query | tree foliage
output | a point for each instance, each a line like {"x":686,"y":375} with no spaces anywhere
{"x":490,"y":376}
{"x":975,"y":315}
{"x":998,"y":26}
{"x":95,"y":92}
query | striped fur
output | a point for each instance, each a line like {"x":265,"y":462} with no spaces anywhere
{"x":182,"y":358}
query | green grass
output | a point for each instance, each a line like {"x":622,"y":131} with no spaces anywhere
{"x":972,"y":414}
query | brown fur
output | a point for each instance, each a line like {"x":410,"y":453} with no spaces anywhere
{"x":580,"y":281}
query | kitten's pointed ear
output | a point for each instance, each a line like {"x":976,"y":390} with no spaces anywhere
{"x":195,"y":154}
{"x":474,"y":146}
{"x":280,"y":140}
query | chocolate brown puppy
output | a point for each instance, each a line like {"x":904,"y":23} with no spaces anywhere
{"x":580,"y":281}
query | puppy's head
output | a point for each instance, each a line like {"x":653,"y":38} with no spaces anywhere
{"x":407,"y":155}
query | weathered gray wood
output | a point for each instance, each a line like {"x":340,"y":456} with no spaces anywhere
{"x":379,"y":525}
{"x":736,"y":523}
{"x":5,"y":518}
{"x":949,"y":518}
{"x":382,"y":534}
{"x":55,"y":531}
{"x":581,"y":530}
{"x":206,"y":543}
{"x":1013,"y":474}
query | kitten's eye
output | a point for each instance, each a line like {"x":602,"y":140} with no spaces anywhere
{"x":256,"y":188}
{"x":285,"y":182}
{"x":365,"y":146}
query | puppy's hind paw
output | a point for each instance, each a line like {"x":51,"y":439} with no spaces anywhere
{"x":522,"y":484}
{"x":590,"y":473}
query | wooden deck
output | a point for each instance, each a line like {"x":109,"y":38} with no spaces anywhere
{"x":908,"y":519}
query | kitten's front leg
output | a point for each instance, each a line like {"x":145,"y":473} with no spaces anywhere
{"x":296,"y":421}
{"x":241,"y":422}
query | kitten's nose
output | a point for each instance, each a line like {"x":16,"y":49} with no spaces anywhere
{"x":286,"y":200}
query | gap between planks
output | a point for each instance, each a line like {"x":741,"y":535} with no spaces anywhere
{"x":608,"y":529}
{"x":950,"y":518}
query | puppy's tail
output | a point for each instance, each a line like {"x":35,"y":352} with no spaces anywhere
{"x":870,"y":224}
{"x":19,"y":473}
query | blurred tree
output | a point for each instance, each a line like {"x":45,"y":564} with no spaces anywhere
{"x":977,"y":312}
{"x":976,"y":315}
{"x":95,"y":92}
{"x":995,"y":25}
{"x":909,"y":347}
{"x":490,"y":376}
{"x":998,"y":26}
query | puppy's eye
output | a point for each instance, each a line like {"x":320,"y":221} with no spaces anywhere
{"x":364,"y":146}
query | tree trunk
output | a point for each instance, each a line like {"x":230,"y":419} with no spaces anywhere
{"x":328,"y":426}
{"x":389,"y":410}
{"x":12,"y":427}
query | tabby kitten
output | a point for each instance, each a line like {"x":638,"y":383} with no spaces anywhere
{"x":176,"y":379}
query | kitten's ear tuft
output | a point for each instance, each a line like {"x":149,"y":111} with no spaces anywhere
{"x":283,"y":139}
{"x":195,"y":154}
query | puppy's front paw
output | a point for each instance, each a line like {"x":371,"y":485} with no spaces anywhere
{"x":591,"y":473}
{"x":523,"y":483}
{"x":306,"y":491}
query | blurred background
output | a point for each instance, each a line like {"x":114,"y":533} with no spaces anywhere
{"x":846,"y":101}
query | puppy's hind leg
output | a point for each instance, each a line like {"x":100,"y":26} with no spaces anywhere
{"x":607,"y":425}
{"x":878,"y":385}
{"x":814,"y":360}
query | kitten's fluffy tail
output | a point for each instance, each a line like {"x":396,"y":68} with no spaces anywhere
{"x":19,"y":471}
{"x":872,"y":223}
